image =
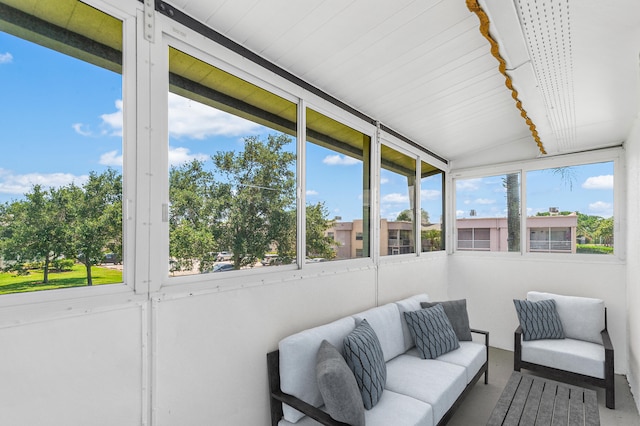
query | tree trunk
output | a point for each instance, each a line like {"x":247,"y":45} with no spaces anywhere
{"x":87,"y":265}
{"x":46,"y":270}
{"x":513,"y":212}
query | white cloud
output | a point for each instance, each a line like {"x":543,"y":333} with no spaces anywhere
{"x":468,"y":184}
{"x":459,"y":213}
{"x":484,"y":201}
{"x":21,"y":183}
{"x":111,"y":158}
{"x":395,"y":198}
{"x":6,"y":58}
{"x":81,"y":129}
{"x":180,"y":155}
{"x":339,"y":160}
{"x":194,"y":120}
{"x":429,"y":194}
{"x":312,"y":192}
{"x":599,"y":182}
{"x":384,"y":180}
{"x":113,"y":121}
{"x":601,"y":208}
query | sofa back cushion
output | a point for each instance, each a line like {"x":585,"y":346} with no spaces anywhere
{"x":385,"y":321}
{"x":298,"y":354}
{"x":582,"y":317}
{"x":410,"y":304}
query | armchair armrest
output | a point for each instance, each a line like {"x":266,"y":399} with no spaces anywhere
{"x":517,"y":348}
{"x":308,"y":409}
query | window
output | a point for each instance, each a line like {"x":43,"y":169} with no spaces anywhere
{"x":232,"y":171}
{"x":474,"y":239}
{"x":61,"y":165}
{"x":338,"y":185}
{"x":570,"y":209}
{"x":491,"y":203}
{"x":431,"y":208}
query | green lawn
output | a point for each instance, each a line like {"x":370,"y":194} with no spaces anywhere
{"x":77,"y":277}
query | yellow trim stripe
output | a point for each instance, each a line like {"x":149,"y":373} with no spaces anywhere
{"x":474,"y":7}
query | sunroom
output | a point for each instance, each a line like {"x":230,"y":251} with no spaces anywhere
{"x":218,"y":175}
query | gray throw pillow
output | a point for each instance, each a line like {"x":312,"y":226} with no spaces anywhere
{"x":456,"y":311}
{"x":338,"y":386}
{"x":539,"y":320}
{"x":432,"y":332}
{"x":364,"y":357}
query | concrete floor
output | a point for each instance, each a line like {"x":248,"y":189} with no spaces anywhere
{"x":477,"y":406}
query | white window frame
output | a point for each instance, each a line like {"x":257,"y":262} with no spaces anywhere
{"x":615,"y":155}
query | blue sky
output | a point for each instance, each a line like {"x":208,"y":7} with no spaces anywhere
{"x":62,"y":120}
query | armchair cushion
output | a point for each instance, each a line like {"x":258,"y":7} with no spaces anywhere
{"x":582,"y":317}
{"x":539,"y":320}
{"x":572,"y":355}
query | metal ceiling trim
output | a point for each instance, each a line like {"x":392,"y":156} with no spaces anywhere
{"x":474,"y":7}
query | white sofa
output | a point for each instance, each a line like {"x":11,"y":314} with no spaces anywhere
{"x":417,"y":391}
{"x":585,"y":354}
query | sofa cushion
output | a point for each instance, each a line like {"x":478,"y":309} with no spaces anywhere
{"x":298,"y":362}
{"x":539,"y":320}
{"x":573,"y":355}
{"x":435,"y":382}
{"x":582,"y":317}
{"x":431,"y":331}
{"x":456,"y":311}
{"x":470,"y":355}
{"x":386,"y":322}
{"x":364,"y":357}
{"x":408,"y":305}
{"x":338,"y":386}
{"x":392,"y":409}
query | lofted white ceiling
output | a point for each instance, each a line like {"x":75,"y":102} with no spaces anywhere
{"x":423,"y":68}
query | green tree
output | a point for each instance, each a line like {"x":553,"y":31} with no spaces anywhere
{"x":604,"y":233}
{"x":258,"y":199}
{"x":407,"y":216}
{"x":39,"y":227}
{"x":99,"y":217}
{"x":588,"y":227}
{"x":318,"y":243}
{"x":197,"y":202}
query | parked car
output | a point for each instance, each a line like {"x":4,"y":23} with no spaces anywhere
{"x":111,"y":258}
{"x":224,"y":256}
{"x":221,"y":267}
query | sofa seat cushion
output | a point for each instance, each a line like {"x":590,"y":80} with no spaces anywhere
{"x":470,"y":355}
{"x":582,"y":317}
{"x":432,"y":381}
{"x":298,"y":362}
{"x":385,"y":321}
{"x":392,"y":409}
{"x":572,"y":355}
{"x":410,"y":304}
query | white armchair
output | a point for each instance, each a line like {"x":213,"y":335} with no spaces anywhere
{"x":584,"y":355}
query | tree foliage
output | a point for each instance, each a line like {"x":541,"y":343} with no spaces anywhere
{"x":407,"y":216}
{"x":319,"y":244}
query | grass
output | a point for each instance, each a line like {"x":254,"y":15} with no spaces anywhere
{"x":77,"y":277}
{"x":594,"y":248}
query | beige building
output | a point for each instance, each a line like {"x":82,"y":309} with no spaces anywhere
{"x":550,"y":234}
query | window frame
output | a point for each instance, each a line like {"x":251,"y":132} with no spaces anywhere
{"x":615,"y":155}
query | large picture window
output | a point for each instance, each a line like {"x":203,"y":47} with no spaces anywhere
{"x":61,"y":164}
{"x":232,"y":171}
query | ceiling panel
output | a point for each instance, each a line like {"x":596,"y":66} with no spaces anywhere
{"x":422,"y":67}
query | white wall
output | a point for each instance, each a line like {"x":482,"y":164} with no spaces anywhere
{"x":490,"y":283}
{"x":632,"y":147}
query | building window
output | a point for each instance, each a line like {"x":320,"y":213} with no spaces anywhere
{"x":478,"y":239}
{"x":232,"y":171}
{"x":338,"y":164}
{"x":491,"y":203}
{"x":575,"y":206}
{"x":61,"y":164}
